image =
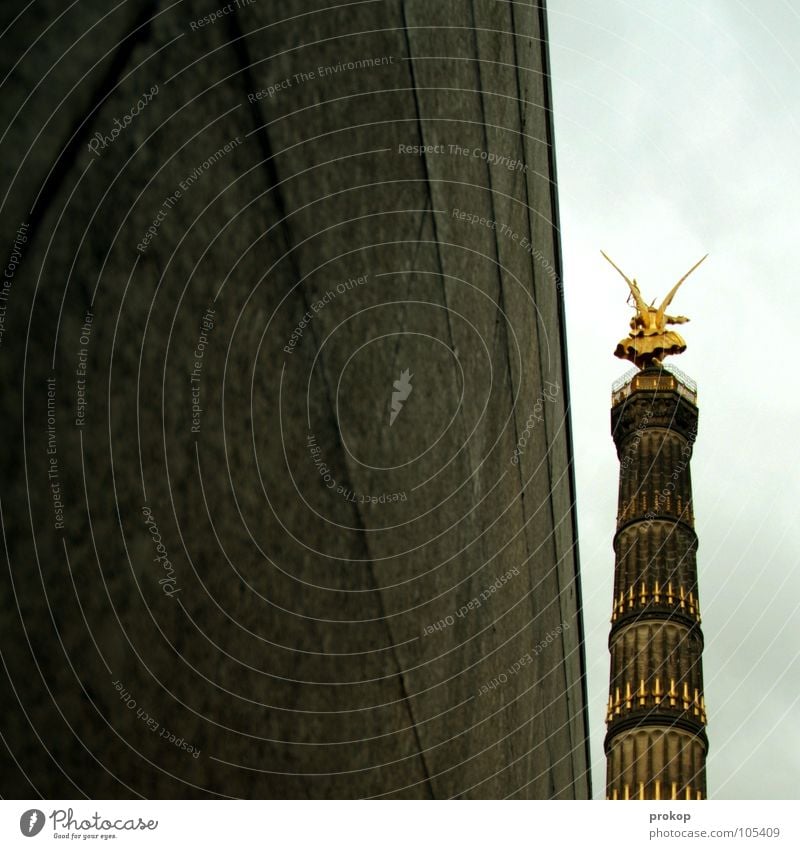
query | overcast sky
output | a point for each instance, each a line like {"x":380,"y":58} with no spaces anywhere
{"x":678,"y":133}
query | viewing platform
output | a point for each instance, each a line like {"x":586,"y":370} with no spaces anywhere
{"x":666,"y":379}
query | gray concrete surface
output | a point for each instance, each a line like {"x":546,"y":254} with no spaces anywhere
{"x":285,"y":644}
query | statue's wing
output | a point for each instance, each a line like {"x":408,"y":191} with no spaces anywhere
{"x":668,"y":300}
{"x":637,"y":295}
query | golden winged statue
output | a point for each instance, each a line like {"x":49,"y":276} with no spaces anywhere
{"x":649,"y":341}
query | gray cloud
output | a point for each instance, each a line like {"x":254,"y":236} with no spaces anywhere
{"x":677,"y":130}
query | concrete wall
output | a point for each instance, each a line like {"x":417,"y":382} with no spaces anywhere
{"x":262,"y":599}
